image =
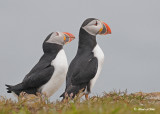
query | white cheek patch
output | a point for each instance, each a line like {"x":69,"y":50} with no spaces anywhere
{"x":56,"y":39}
{"x":92,"y":29}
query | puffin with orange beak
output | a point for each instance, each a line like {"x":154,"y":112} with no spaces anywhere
{"x":49,"y":73}
{"x":85,"y":68}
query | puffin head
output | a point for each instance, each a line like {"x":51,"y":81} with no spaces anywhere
{"x":94,"y":26}
{"x":60,"y":38}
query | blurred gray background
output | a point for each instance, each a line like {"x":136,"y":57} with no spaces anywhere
{"x":132,"y":51}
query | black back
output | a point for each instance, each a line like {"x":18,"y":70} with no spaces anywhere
{"x":87,"y":43}
{"x":40,"y":73}
{"x":50,"y":52}
{"x":84,"y":66}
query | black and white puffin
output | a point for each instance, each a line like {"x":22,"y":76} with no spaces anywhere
{"x":49,"y":73}
{"x":85,"y":68}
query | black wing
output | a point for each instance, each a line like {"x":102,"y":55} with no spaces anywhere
{"x":43,"y":63}
{"x":31,"y":83}
{"x":39,"y":75}
{"x":36,"y":80}
{"x":81,"y":71}
{"x":86,"y":73}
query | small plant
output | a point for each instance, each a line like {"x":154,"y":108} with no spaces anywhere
{"x":112,"y":102}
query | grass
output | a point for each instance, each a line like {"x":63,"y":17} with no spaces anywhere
{"x":109,"y":103}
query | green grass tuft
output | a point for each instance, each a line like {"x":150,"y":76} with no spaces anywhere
{"x":109,"y":103}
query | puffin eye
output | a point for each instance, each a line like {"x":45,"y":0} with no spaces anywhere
{"x":96,"y":23}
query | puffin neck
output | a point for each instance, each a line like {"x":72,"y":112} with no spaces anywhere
{"x":50,"y":48}
{"x":86,"y":40}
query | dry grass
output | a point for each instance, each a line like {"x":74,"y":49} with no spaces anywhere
{"x":109,"y":103}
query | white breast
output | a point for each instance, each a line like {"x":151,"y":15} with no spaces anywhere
{"x":98,"y":53}
{"x":60,"y":70}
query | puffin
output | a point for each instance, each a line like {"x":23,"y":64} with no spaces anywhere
{"x":47,"y":76}
{"x":86,"y":66}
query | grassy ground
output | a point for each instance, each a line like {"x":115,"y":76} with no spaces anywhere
{"x":109,"y":103}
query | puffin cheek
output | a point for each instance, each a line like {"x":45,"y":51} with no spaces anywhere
{"x":94,"y":30}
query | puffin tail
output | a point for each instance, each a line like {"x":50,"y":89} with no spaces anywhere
{"x":63,"y":95}
{"x":16,"y":89}
{"x":71,"y":92}
{"x":9,"y":88}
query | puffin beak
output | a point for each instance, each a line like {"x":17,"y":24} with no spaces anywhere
{"x":105,"y":29}
{"x":68,"y":37}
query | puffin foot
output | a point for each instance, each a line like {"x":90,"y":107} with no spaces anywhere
{"x":86,"y":96}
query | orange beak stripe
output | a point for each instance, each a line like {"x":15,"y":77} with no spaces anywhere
{"x":68,"y":37}
{"x":108,"y":31}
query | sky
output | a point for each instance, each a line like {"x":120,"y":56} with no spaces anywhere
{"x":132,"y":51}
